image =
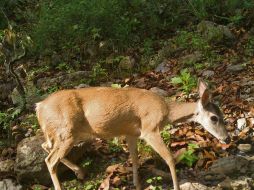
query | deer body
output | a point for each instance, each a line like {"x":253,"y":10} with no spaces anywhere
{"x":70,"y":116}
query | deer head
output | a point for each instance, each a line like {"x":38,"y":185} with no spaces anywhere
{"x":209,"y":115}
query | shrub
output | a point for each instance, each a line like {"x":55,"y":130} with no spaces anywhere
{"x":63,"y":23}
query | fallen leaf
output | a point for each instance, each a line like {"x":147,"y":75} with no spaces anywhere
{"x":178,"y":154}
{"x":117,"y":181}
{"x":181,"y":143}
{"x":209,"y":155}
{"x":112,"y":168}
{"x":105,"y":184}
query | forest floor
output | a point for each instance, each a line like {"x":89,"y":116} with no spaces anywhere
{"x":107,"y":162}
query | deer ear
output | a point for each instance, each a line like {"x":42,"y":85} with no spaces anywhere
{"x":203,"y":92}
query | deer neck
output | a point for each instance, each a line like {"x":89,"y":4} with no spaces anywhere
{"x":180,"y":112}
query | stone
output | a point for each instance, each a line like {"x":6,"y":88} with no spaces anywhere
{"x":127,"y":63}
{"x":65,"y":80}
{"x":244,"y":147}
{"x":235,"y":68}
{"x":193,"y":186}
{"x":231,"y":165}
{"x":9,"y":184}
{"x":159,"y":91}
{"x":208,"y":73}
{"x":7,"y":167}
{"x":106,"y":84}
{"x":215,"y":33}
{"x":241,"y":123}
{"x":191,"y":59}
{"x":15,"y":97}
{"x":162,"y":67}
{"x":140,"y":83}
{"x":241,"y":183}
{"x":82,"y":86}
{"x":6,"y":89}
{"x":30,"y":164}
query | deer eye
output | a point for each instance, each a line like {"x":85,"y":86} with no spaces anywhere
{"x":214,"y":119}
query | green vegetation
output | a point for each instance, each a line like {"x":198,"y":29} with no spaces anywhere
{"x":155,"y":183}
{"x":114,"y":145}
{"x":165,"y":134}
{"x":188,"y":157}
{"x":118,"y":41}
{"x":185,"y":81}
{"x":249,"y":47}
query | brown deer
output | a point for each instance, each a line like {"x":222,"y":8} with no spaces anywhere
{"x":68,"y":117}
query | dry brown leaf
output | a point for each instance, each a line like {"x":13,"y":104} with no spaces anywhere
{"x":209,"y":155}
{"x":112,"y":168}
{"x":208,"y":164}
{"x":106,"y":183}
{"x":181,"y":143}
{"x":157,"y":172}
{"x":202,"y":144}
{"x":178,"y":154}
{"x":223,"y":146}
{"x":116,"y":181}
{"x":198,"y":137}
{"x":199,"y":132}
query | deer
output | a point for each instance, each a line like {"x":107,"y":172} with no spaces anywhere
{"x":68,"y":117}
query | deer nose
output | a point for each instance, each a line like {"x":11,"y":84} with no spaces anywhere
{"x":227,"y":140}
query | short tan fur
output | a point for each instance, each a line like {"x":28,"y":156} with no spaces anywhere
{"x":68,"y":117}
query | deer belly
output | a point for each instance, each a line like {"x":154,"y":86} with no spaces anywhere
{"x":115,"y":126}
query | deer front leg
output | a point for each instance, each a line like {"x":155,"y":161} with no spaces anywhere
{"x":132,"y":144}
{"x":153,"y":138}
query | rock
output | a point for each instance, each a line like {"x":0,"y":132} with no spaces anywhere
{"x":30,"y":166}
{"x":6,"y":89}
{"x":163,"y":54}
{"x":231,"y":165}
{"x":140,"y":83}
{"x":82,"y":86}
{"x":7,"y":167}
{"x":9,"y":184}
{"x":251,"y":121}
{"x":235,"y":68}
{"x":65,"y":80}
{"x":244,"y":147}
{"x":106,"y":84}
{"x":162,"y":67}
{"x":15,"y":97}
{"x":241,"y":183}
{"x":214,"y":33}
{"x":193,"y":186}
{"x":208,"y":73}
{"x":241,"y":123}
{"x":8,"y":152}
{"x":191,"y":59}
{"x":127,"y":63}
{"x":159,"y":91}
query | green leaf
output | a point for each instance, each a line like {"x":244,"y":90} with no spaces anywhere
{"x":192,"y":146}
{"x":149,"y":181}
{"x":116,"y":85}
{"x":176,"y":80}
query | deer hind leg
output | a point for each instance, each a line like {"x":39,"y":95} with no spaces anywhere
{"x":75,"y":168}
{"x":132,"y":144}
{"x":56,"y":155}
{"x":155,"y":141}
